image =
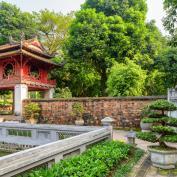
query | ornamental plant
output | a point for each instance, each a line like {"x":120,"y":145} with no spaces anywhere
{"x":97,"y":161}
{"x":32,"y":111}
{"x":163,"y":129}
{"x":77,"y":110}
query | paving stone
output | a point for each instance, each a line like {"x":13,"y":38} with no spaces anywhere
{"x":147,"y":170}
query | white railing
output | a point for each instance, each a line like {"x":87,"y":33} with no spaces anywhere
{"x":51,"y":153}
{"x":39,"y":134}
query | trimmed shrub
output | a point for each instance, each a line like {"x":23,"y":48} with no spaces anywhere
{"x":95,"y":162}
{"x":147,"y":136}
{"x":162,"y":131}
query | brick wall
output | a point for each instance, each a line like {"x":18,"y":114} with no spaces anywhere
{"x":125,"y":110}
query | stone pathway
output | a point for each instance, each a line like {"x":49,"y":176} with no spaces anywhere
{"x":146,"y":169}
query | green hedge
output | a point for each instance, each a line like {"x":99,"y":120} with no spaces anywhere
{"x":95,"y":162}
{"x":163,"y":105}
{"x":170,"y":138}
{"x":147,"y":136}
{"x":163,"y":129}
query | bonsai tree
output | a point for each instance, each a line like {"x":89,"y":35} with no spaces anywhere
{"x":77,"y":112}
{"x":32,"y":112}
{"x":163,"y":129}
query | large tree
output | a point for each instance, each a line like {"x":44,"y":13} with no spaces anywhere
{"x":53,"y":30}
{"x":107,"y":31}
{"x":88,"y":41}
{"x":170,"y":21}
{"x":167,"y":63}
{"x":14,"y":22}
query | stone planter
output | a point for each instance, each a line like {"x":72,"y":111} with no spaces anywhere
{"x":145,"y":127}
{"x":79,"y":122}
{"x":163,"y":159}
{"x":33,"y":121}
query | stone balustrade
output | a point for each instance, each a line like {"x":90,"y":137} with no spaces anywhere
{"x":39,"y":134}
{"x":50,"y":153}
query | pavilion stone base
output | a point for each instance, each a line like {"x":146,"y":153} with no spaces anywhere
{"x":21,"y":93}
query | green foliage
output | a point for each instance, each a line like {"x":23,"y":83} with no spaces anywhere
{"x":62,"y":93}
{"x":87,"y":41}
{"x":97,"y":161}
{"x":147,"y":136}
{"x":32,"y":111}
{"x":111,"y":7}
{"x":81,"y":79}
{"x":172,"y":122}
{"x":155,"y":83}
{"x":3,"y":153}
{"x":163,"y":105}
{"x":163,"y":129}
{"x":151,"y":120}
{"x":125,"y":168}
{"x":13,"y":22}
{"x":170,"y":138}
{"x":147,"y":112}
{"x":126,"y":80}
{"x":167,"y":64}
{"x":108,"y":31}
{"x":53,"y":30}
{"x":77,"y":110}
{"x":170,"y":21}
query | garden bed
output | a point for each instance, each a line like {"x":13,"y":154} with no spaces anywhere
{"x":101,"y":160}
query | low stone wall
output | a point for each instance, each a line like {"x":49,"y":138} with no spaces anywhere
{"x":125,"y":110}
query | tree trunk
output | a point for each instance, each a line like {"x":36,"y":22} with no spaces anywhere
{"x":103,"y":83}
{"x":162,"y":144}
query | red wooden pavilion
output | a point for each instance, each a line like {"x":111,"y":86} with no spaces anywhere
{"x":24,"y":67}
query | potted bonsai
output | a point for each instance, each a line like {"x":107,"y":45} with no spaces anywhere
{"x":146,"y":124}
{"x":147,"y":118}
{"x":162,"y":131}
{"x":77,"y":112}
{"x":32,"y":112}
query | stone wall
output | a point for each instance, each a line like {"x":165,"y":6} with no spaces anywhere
{"x":125,"y":110}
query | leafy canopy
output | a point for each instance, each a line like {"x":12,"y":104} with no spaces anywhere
{"x":53,"y":30}
{"x":108,"y":31}
{"x":14,"y":22}
{"x":170,"y":21}
{"x":126,"y":80}
{"x":167,"y":64}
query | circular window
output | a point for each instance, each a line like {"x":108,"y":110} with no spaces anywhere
{"x":34,"y":71}
{"x":8,"y":70}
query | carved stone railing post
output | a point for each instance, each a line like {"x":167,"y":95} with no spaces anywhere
{"x":108,"y":121}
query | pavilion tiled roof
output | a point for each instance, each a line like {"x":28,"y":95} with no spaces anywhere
{"x":31,"y":47}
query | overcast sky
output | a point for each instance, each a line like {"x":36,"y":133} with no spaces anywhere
{"x":155,"y":7}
